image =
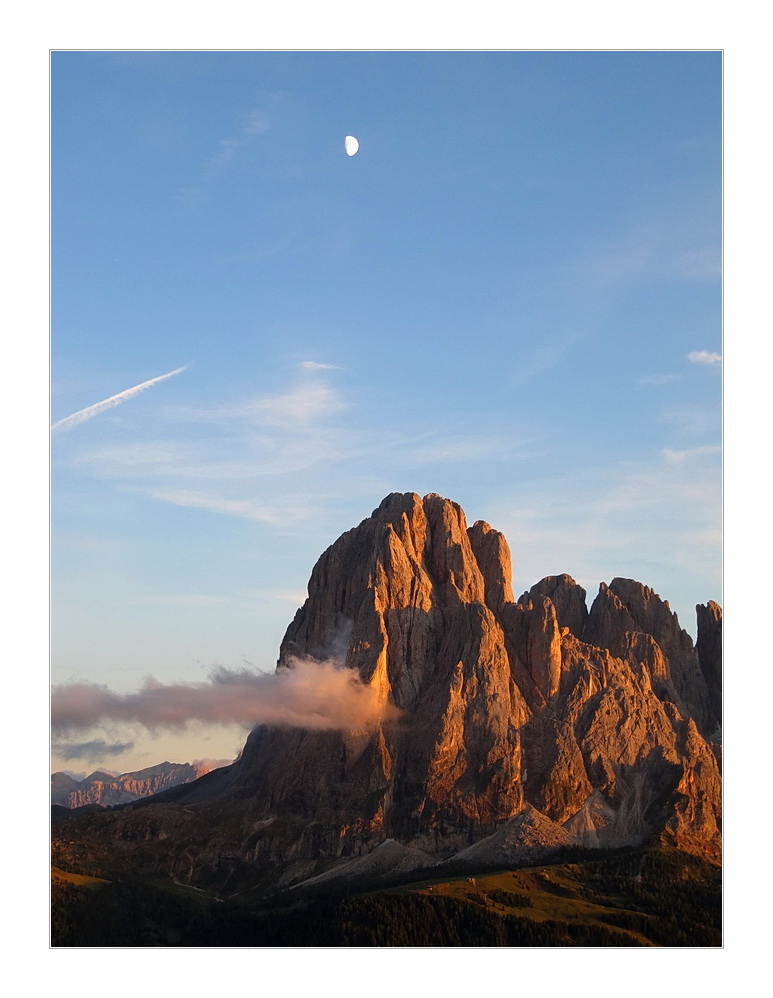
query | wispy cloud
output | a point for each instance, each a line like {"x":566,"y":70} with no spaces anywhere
{"x":295,"y":597}
{"x":244,"y":509}
{"x":256,"y":122}
{"x":700,"y":263}
{"x":222,"y":160}
{"x":673,"y":241}
{"x":303,"y":406}
{"x":93,"y":751}
{"x":679,"y":457}
{"x":692,"y":420}
{"x":277,"y":458}
{"x":704,"y":357}
{"x":99,"y":407}
{"x":320,"y":696}
{"x":626,"y":254}
{"x":545,"y":355}
{"x":440,"y":448}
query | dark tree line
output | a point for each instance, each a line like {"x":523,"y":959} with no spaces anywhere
{"x":667,"y":898}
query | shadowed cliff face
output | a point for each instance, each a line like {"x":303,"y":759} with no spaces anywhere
{"x":709,"y":648}
{"x":523,"y":725}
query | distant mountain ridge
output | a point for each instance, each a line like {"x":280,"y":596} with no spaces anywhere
{"x":108,"y":789}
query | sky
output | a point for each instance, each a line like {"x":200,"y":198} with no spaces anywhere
{"x":511,"y":296}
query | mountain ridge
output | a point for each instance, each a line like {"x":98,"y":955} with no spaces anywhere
{"x":109,"y":789}
{"x":532,"y":725}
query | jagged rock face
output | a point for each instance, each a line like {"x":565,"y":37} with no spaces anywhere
{"x":505,"y":706}
{"x":626,"y":608}
{"x":566,"y":596}
{"x":408,"y":596}
{"x":493,"y":556}
{"x":709,"y":648}
{"x":527,"y":726}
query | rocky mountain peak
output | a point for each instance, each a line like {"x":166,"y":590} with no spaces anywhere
{"x":567,"y":597}
{"x":412,"y":557}
{"x":626,"y":608}
{"x":504,"y":705}
{"x":493,"y":556}
{"x":524,"y":726}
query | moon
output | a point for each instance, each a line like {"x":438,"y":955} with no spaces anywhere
{"x":351,"y":145}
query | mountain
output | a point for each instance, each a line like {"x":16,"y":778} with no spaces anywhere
{"x":108,"y":789}
{"x":511,"y":731}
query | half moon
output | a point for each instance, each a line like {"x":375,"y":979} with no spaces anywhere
{"x":351,"y":145}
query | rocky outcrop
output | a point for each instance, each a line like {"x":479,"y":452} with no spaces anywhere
{"x":567,"y":598}
{"x":709,"y":648}
{"x":512,"y":729}
{"x":624,"y":616}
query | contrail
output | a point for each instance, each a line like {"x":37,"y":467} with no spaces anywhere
{"x":94,"y":410}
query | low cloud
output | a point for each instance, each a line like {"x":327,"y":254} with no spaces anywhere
{"x":320,"y":696}
{"x":94,"y":750}
{"x":704,"y":357}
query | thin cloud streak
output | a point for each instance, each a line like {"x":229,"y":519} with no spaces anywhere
{"x":93,"y":751}
{"x":99,"y":407}
{"x":244,"y":509}
{"x":298,"y":409}
{"x":229,"y":149}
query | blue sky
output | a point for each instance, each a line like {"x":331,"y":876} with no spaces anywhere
{"x":511,"y":296}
